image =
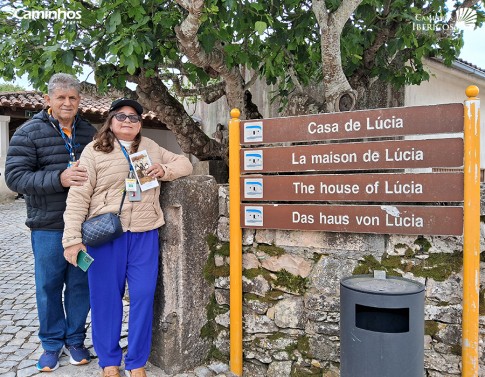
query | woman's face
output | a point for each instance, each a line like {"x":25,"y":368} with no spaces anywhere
{"x":126,"y":129}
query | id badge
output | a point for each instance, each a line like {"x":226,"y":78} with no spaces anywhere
{"x":70,"y":163}
{"x":134,"y":196}
{"x":130,"y":184}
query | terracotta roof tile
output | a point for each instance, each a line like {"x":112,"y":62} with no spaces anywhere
{"x":33,"y":100}
{"x":25,"y":100}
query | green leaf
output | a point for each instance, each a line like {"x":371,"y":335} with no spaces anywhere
{"x":114,"y":21}
{"x":257,"y":6}
{"x":68,"y":58}
{"x":128,"y":49}
{"x":208,"y":41}
{"x":52,"y":48}
{"x":260,"y":27}
{"x":131,"y":64}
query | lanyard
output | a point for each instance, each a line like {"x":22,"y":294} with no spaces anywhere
{"x":131,"y":184}
{"x":69,"y":143}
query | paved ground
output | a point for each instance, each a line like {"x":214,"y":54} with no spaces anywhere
{"x":19,"y":344}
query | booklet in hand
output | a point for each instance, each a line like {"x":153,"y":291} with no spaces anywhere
{"x":141,"y":162}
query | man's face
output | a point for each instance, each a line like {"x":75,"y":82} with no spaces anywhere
{"x":64,"y":104}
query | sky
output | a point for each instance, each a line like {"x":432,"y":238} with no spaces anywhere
{"x":472,"y":52}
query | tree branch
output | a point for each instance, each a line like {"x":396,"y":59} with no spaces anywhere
{"x":209,"y":93}
{"x":92,"y":90}
{"x":214,"y":62}
{"x":293,"y":74}
{"x":338,"y":93}
{"x":369,"y":56}
{"x":321,"y":13}
{"x":251,"y":81}
{"x":343,"y":13}
{"x":153,"y":94}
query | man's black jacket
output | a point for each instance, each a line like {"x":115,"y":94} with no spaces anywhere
{"x":36,"y":157}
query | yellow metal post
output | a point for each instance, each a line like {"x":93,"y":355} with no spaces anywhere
{"x":471,"y":234}
{"x":235,"y":253}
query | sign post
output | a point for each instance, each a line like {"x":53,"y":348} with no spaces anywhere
{"x":235,"y":252}
{"x":314,"y":182}
{"x":471,"y":236}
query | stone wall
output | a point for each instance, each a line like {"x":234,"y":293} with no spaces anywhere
{"x":291,"y":304}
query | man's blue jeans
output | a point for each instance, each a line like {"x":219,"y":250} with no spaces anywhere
{"x":61,"y":322}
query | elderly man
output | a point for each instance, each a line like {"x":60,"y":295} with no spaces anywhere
{"x":42,"y":164}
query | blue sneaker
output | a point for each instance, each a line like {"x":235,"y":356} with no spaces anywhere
{"x":78,"y":355}
{"x":49,"y":361}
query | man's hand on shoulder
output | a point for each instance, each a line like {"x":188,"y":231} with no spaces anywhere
{"x":74,"y":176}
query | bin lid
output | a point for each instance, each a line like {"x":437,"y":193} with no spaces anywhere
{"x":390,"y":286}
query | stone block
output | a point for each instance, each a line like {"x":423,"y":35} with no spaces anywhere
{"x":450,"y":290}
{"x":258,"y":324}
{"x":224,"y":200}
{"x":190,"y":206}
{"x":293,"y":264}
{"x":328,"y":272}
{"x":279,"y":369}
{"x":290,"y":313}
{"x":259,"y":285}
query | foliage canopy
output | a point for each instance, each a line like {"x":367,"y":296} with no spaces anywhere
{"x":207,"y":49}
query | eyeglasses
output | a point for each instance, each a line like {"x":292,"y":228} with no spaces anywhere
{"x":122,"y":117}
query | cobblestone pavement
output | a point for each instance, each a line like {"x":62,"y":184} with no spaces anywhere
{"x":19,"y":345}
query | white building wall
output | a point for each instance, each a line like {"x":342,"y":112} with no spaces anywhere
{"x":219,"y":112}
{"x":447,"y":85}
{"x":164,"y":138}
{"x":5,"y":193}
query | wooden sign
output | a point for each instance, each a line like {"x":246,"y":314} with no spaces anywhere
{"x":424,"y":187}
{"x":384,"y":219}
{"x":389,"y":154}
{"x":398,"y":121}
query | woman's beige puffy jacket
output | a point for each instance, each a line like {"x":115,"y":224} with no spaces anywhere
{"x":103,"y":190}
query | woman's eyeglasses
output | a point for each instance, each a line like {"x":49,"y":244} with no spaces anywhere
{"x":122,"y":117}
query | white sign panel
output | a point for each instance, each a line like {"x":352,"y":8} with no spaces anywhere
{"x":253,"y":160}
{"x":253,"y":132}
{"x":253,"y":188}
{"x":253,"y":216}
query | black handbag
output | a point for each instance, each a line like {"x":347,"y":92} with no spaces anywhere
{"x":104,"y":228}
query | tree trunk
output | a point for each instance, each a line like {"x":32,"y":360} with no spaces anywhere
{"x":339,"y":95}
{"x":154,"y":95}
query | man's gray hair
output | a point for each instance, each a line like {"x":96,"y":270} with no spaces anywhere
{"x":63,"y":81}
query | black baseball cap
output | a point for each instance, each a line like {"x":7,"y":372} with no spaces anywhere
{"x":126,"y":102}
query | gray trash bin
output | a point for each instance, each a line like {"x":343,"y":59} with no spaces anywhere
{"x":381,"y":327}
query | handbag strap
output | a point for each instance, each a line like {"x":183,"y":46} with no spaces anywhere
{"x":122,"y":202}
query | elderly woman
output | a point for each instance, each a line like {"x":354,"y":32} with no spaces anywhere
{"x":133,"y":257}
